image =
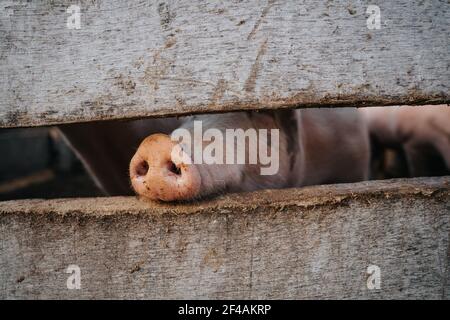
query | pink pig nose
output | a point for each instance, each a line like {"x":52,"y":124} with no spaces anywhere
{"x":160,"y":170}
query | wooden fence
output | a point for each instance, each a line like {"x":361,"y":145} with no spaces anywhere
{"x":126,"y":60}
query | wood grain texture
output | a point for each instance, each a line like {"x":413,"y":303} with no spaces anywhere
{"x":152,"y":58}
{"x":314,"y":242}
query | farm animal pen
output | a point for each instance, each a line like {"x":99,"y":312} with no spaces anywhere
{"x":144,"y":58}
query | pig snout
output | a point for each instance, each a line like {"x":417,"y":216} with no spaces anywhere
{"x":161,"y":170}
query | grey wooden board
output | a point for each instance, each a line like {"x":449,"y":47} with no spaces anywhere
{"x":314,"y":242}
{"x":151,"y":58}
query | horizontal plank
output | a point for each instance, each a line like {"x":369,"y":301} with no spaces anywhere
{"x":148,"y":58}
{"x":314,"y":242}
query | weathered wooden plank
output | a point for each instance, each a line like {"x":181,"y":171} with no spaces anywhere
{"x":314,"y":242}
{"x":152,"y":58}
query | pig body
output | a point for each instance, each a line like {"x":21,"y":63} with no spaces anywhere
{"x":421,"y":133}
{"x":315,"y":146}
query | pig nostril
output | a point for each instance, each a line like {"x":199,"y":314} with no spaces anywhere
{"x":142,"y":168}
{"x":173,"y":168}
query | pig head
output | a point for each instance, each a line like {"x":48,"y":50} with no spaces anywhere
{"x":310,"y":146}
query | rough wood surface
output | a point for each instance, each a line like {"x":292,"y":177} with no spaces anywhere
{"x":151,"y":58}
{"x":314,"y":242}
